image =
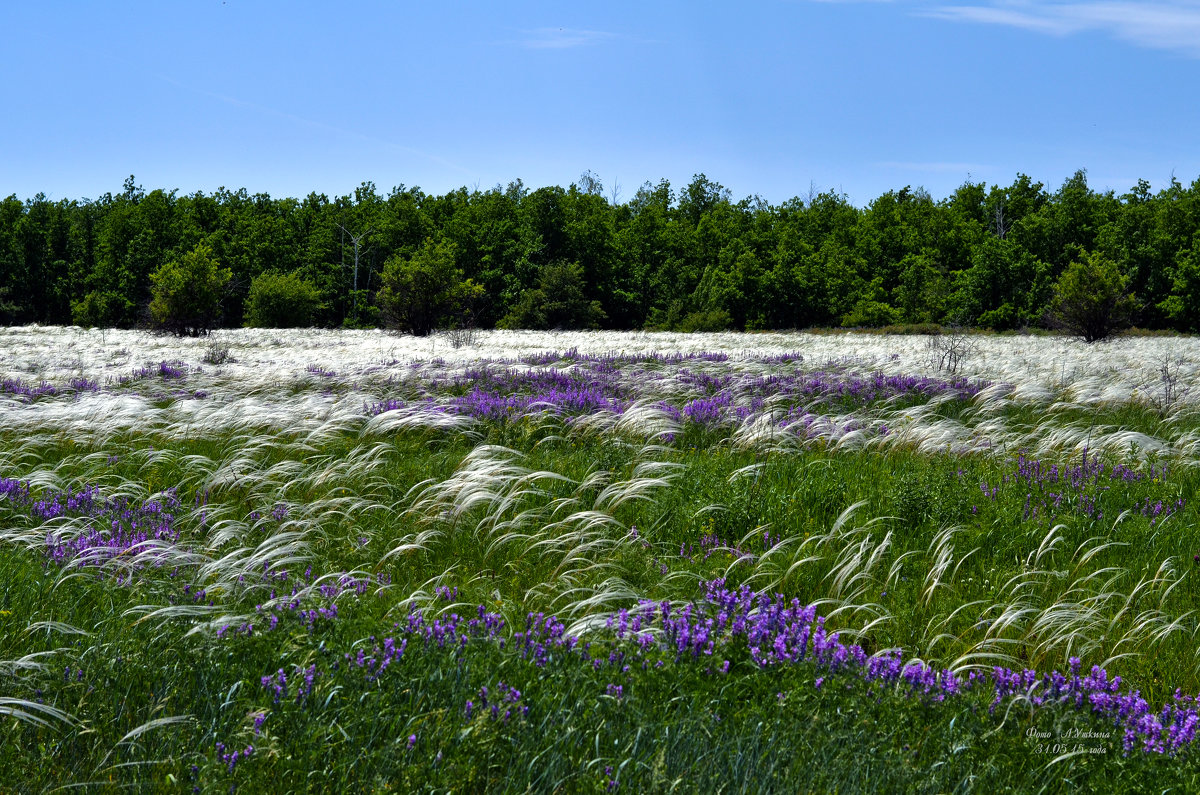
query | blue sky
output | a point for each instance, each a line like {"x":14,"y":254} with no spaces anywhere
{"x":770,"y":98}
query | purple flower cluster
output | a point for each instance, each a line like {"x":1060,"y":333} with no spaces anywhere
{"x":1166,"y":731}
{"x":499,"y":703}
{"x":708,"y":411}
{"x":774,"y":632}
{"x":170,"y":371}
{"x":116,"y":526}
{"x":492,"y":391}
{"x":453,"y":630}
{"x":381,"y":656}
{"x":450,"y":633}
{"x":327,"y":591}
{"x":711,"y":543}
{"x":542,"y":636}
{"x":28,"y":392}
{"x":78,"y":385}
{"x":1084,"y":488}
{"x":277,"y":683}
{"x":779,"y":632}
{"x":14,"y":491}
{"x":230,"y":758}
{"x":860,"y":389}
{"x":127,"y":528}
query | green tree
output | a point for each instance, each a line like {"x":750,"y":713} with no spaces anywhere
{"x":1182,"y":306}
{"x":1092,"y":299}
{"x":427,"y":290}
{"x":558,"y":302}
{"x":871,"y":310}
{"x":8,"y":310}
{"x":281,"y":300}
{"x":186,"y":293}
{"x":14,"y":271}
{"x":733,"y":286}
{"x":921,"y":294}
{"x":999,"y":289}
{"x":101,"y":309}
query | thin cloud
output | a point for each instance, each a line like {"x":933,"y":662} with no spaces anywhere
{"x":1006,"y":16}
{"x":562,"y":38}
{"x":1171,"y":26}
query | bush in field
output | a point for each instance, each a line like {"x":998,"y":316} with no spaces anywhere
{"x":949,"y":351}
{"x":426,"y":291}
{"x":186,"y":293}
{"x":712,"y":320}
{"x":218,"y":353}
{"x":871,"y":314}
{"x":1092,"y":299}
{"x":281,"y":300}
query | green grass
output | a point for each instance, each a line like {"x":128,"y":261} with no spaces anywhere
{"x":530,"y":524}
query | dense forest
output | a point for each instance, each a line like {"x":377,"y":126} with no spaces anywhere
{"x":689,"y":259}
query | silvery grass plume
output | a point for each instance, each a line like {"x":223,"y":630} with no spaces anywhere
{"x":846,"y":561}
{"x":1056,"y":608}
{"x":1062,"y":603}
{"x":513,"y":514}
{"x":32,"y":712}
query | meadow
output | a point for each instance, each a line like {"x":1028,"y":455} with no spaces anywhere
{"x":273,"y":561}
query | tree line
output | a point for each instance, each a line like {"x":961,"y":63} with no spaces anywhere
{"x":687,"y":259}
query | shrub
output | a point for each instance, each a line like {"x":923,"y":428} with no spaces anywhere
{"x":1092,"y":300}
{"x":926,"y":329}
{"x":218,"y":353}
{"x":949,"y":351}
{"x":871,"y":314}
{"x":187,"y":292}
{"x":426,"y":291}
{"x":712,"y":320}
{"x":281,"y":300}
{"x":1003,"y":318}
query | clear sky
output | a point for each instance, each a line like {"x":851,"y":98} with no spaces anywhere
{"x":764,"y":96}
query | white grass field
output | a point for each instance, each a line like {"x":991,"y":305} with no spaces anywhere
{"x":1052,"y":374}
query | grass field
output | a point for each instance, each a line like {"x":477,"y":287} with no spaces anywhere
{"x":589,"y":562}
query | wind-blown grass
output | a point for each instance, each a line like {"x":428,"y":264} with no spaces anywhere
{"x":235,"y":574}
